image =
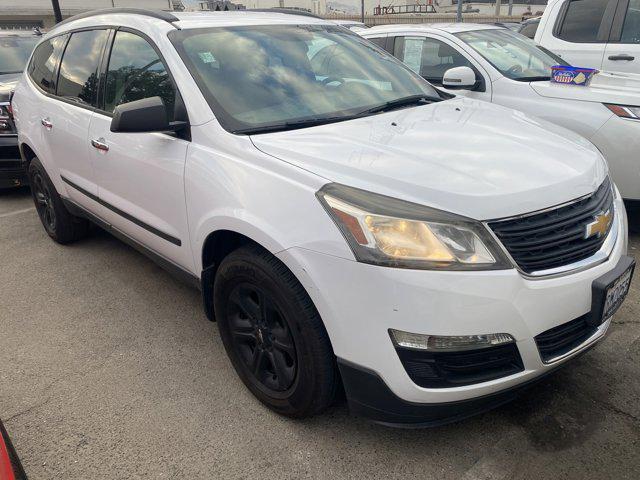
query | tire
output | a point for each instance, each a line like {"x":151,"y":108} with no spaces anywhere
{"x":60,"y":225}
{"x":283,"y":356}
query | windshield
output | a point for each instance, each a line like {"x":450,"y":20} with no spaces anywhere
{"x":267,"y":76}
{"x":14,"y":53}
{"x":515,"y":56}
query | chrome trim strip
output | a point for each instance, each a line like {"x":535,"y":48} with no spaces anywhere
{"x":555,"y":207}
{"x":598,"y":335}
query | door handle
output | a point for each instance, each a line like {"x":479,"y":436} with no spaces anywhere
{"x":100,"y":144}
{"x":46,"y":123}
{"x":626,"y":57}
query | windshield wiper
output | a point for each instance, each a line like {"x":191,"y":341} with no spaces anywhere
{"x":539,"y":78}
{"x":400,"y":103}
{"x":313,"y":122}
{"x":279,"y":127}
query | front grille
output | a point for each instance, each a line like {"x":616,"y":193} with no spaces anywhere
{"x":431,"y":369}
{"x":556,"y":237}
{"x":562,"y":339}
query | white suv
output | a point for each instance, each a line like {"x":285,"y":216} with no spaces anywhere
{"x":492,"y":63}
{"x":346,"y":221}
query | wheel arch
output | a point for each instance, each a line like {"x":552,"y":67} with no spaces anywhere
{"x":27,"y":153}
{"x":216,"y":246}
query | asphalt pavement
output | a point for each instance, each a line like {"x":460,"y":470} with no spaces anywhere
{"x":109,"y":369}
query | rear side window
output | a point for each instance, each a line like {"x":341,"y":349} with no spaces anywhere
{"x":135,"y":72}
{"x":45,"y":61}
{"x":379,"y":41}
{"x":584,"y":20}
{"x":631,"y":28}
{"x":78,"y":77}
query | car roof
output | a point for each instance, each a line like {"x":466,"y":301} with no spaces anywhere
{"x":433,"y":27}
{"x":243,"y":17}
{"x":184,"y":20}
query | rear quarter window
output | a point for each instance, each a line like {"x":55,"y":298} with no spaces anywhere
{"x":44,"y":63}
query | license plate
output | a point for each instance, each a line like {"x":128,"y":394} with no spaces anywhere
{"x":610,"y":290}
{"x":616,"y":294}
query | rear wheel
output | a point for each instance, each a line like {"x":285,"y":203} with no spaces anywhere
{"x":60,"y":225}
{"x":273,"y":334}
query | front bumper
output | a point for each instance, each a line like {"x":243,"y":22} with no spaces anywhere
{"x":359,"y":303}
{"x":12,"y":170}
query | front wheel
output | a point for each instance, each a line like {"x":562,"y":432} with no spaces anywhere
{"x":273,"y":334}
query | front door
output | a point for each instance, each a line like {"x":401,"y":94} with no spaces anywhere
{"x":432,"y":57}
{"x":141,"y":175}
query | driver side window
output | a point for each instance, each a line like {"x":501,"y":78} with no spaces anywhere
{"x":428,"y":57}
{"x":135,"y":72}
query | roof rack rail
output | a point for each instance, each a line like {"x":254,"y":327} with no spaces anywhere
{"x":286,"y":11}
{"x":159,"y":14}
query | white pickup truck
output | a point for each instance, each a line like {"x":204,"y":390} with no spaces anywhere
{"x":491,"y":63}
{"x":602,"y":34}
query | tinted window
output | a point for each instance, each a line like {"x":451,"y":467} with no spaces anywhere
{"x":379,"y":41}
{"x":14,"y":53}
{"x":583,"y":20}
{"x":78,"y":77}
{"x":135,"y":72}
{"x":631,"y":28}
{"x":44,"y":62}
{"x":429,"y":57}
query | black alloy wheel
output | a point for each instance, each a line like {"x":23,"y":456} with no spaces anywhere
{"x":58,"y":222}
{"x":262,"y":338}
{"x":273,"y":334}
{"x":44,"y":202}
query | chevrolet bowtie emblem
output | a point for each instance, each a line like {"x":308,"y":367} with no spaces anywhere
{"x":599,"y":226}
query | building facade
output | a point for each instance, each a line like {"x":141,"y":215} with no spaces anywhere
{"x":27,"y":14}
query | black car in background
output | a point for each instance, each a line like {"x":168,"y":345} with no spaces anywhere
{"x":15,"y":49}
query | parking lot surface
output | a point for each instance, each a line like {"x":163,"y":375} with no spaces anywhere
{"x":109,"y":369}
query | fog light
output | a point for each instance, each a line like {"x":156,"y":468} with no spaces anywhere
{"x":417,"y":341}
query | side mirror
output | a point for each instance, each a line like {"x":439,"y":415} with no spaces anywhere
{"x":146,"y":115}
{"x":459,"y":78}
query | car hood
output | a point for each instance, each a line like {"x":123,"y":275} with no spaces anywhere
{"x":619,"y":88}
{"x":468,"y":157}
{"x":8,"y":84}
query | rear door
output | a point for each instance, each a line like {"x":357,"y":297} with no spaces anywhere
{"x":141,"y":175}
{"x":623,"y":51}
{"x":582,"y":31}
{"x":67,"y":114}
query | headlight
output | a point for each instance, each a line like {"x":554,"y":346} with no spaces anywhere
{"x":624,"y":111}
{"x":386,"y":231}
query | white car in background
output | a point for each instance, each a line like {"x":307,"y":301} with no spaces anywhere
{"x":602,"y":34}
{"x":491,"y":63}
